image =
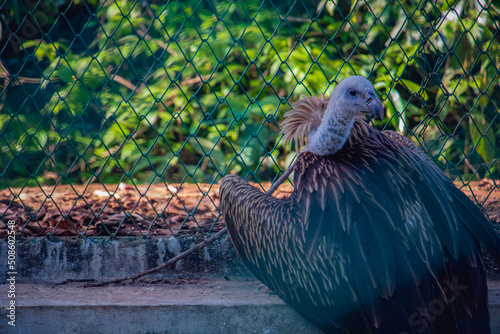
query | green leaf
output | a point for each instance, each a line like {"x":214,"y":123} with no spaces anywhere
{"x":483,"y":138}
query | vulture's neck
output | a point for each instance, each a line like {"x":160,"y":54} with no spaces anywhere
{"x":331,"y":134}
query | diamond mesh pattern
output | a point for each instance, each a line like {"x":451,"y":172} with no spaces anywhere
{"x":151,"y":93}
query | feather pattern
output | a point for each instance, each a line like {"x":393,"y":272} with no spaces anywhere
{"x":367,"y":242}
{"x":305,"y":115}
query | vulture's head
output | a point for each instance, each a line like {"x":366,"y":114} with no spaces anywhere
{"x":327,"y":123}
{"x":355,"y":97}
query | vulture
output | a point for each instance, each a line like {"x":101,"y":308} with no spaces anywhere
{"x":374,"y":237}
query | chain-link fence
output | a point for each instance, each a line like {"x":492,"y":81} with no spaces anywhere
{"x":120,"y":117}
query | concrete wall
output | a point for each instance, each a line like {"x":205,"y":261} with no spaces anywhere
{"x":44,"y":260}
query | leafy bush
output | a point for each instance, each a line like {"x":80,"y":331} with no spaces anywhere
{"x":195,"y":89}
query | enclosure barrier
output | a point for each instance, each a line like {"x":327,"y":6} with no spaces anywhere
{"x":121,"y":117}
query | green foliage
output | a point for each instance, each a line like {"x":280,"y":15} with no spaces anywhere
{"x":191,"y":90}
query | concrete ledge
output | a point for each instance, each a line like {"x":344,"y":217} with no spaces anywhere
{"x":193,"y":307}
{"x":197,"y":299}
{"x":204,"y":307}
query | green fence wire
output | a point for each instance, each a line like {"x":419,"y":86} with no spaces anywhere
{"x":156,"y":95}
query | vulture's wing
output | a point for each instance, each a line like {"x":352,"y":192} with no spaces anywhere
{"x":470,"y":214}
{"x":373,"y":239}
{"x":251,"y":218}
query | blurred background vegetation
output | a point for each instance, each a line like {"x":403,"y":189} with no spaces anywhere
{"x":173,"y":91}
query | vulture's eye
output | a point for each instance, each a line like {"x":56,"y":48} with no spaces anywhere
{"x":352,"y":92}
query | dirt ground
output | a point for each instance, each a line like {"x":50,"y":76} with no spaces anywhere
{"x":157,"y":209}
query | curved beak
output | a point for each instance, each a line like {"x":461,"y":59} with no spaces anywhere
{"x":376,"y":108}
{"x":374,"y":105}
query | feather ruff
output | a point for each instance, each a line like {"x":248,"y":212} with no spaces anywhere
{"x":305,"y":117}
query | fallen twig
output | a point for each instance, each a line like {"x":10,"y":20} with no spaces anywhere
{"x":71,"y":280}
{"x":193,"y":249}
{"x":170,"y":262}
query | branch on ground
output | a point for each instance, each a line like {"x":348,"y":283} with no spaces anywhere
{"x":169,"y":263}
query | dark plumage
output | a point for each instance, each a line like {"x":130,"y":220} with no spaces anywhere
{"x":374,"y":239}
